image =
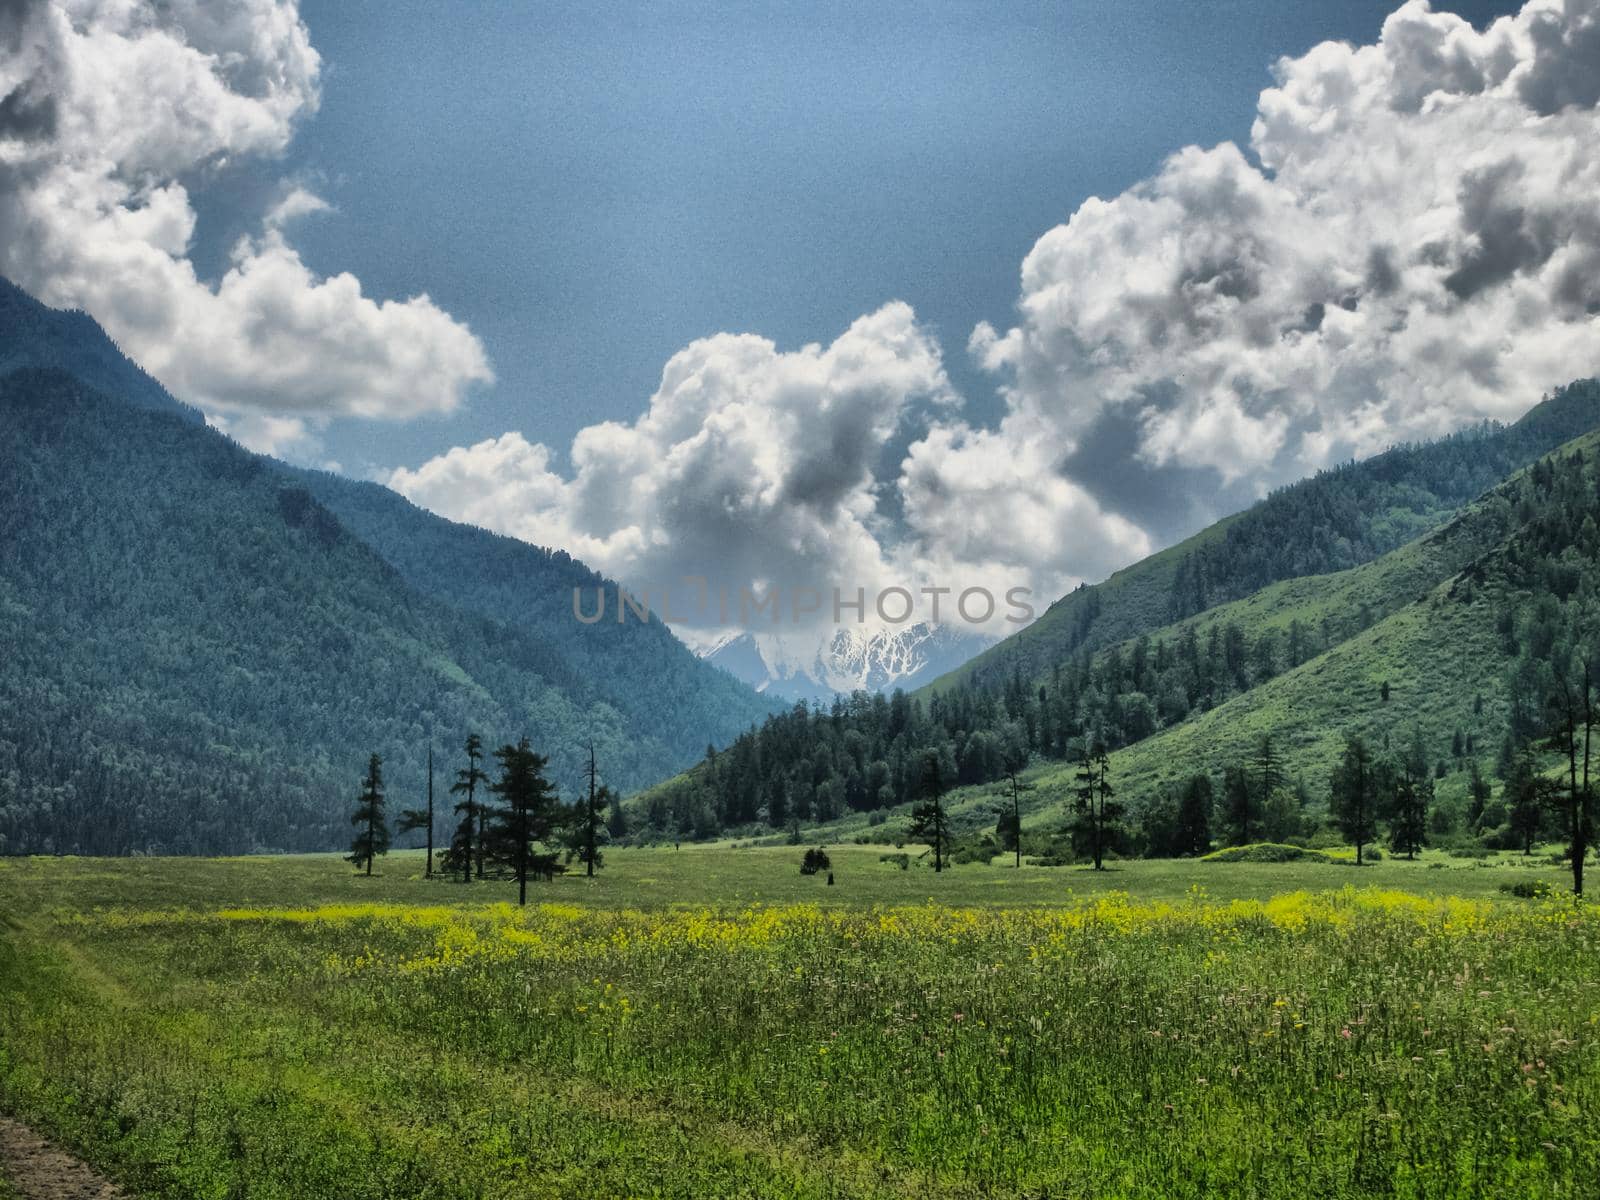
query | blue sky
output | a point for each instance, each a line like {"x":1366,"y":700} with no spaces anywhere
{"x":863,"y":295}
{"x":591,"y":186}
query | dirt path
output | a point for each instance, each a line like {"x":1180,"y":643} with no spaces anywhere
{"x":37,"y":1170}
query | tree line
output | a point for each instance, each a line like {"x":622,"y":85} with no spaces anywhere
{"x":513,"y":823}
{"x":871,"y":753}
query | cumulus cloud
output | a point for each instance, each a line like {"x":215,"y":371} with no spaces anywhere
{"x":757,"y":468}
{"x":106,"y":108}
{"x":1411,"y":242}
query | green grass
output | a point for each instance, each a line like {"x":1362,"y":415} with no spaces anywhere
{"x":708,"y":1022}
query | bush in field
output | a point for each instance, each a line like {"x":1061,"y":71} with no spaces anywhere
{"x":1528,"y":889}
{"x":980,"y":850}
{"x":815,"y":860}
{"x":1266,"y":852}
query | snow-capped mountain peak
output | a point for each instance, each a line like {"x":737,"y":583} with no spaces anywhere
{"x":805,"y":665}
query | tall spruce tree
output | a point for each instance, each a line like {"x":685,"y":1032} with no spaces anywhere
{"x":1096,"y":811}
{"x":413,"y":819}
{"x":466,"y":847}
{"x":1571,"y":713}
{"x":1353,"y":794}
{"x":1408,"y":823}
{"x":1526,"y":795}
{"x":589,"y":831}
{"x":929,"y":821}
{"x":1194,"y":816}
{"x":372,"y":831}
{"x":1010,"y":825}
{"x":1268,"y":773}
{"x":528,"y":815}
{"x":1238,"y":803}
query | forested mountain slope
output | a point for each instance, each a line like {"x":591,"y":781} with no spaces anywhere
{"x":204,"y":645}
{"x":1335,"y":520}
{"x":1443,"y":671}
{"x":1438,"y":665}
{"x":35,"y":335}
{"x":1188,"y":697}
{"x":640,"y":669}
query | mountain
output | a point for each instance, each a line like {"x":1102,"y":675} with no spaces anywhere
{"x":817,"y":668}
{"x":639,"y":668}
{"x":1337,"y":519}
{"x":1411,"y":644}
{"x":1455,"y":616}
{"x":204,"y":644}
{"x":34,"y":335}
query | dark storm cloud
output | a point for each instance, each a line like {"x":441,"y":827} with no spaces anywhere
{"x":29,"y":111}
{"x":1169,"y":500}
{"x":1504,"y":237}
{"x":27,"y":118}
{"x":1566,"y":61}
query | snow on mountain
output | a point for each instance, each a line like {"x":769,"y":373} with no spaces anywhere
{"x":804,"y":665}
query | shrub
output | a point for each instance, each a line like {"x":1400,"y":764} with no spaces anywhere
{"x":903,"y":861}
{"x":1527,"y":889}
{"x":979,"y":850}
{"x":1265,"y":852}
{"x":814,"y":861}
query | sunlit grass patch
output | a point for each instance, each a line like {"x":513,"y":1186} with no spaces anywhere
{"x":1166,"y":1043}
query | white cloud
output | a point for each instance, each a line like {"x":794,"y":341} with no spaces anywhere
{"x":757,"y":468}
{"x":749,"y":463}
{"x":1410,"y":242}
{"x":1413,"y":243}
{"x":106,"y":106}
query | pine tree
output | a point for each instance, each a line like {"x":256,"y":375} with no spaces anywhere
{"x":1571,"y":713}
{"x":413,"y":819}
{"x":616,"y":820}
{"x":1096,"y":811}
{"x":467,"y":846}
{"x":1194,"y":816}
{"x":1526,"y":795}
{"x":1408,"y":825}
{"x":1010,"y":826}
{"x":529,"y":814}
{"x":1269,"y":774}
{"x":1238,"y":802}
{"x":1353,"y":795}
{"x":589,"y":831}
{"x":373,"y":836}
{"x":928,"y":820}
{"x":1478,"y":793}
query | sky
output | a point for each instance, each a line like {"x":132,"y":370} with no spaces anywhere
{"x":819,"y":295}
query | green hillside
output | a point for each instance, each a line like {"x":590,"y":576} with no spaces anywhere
{"x":1409,"y":649}
{"x":204,"y":645}
{"x":1335,"y":520}
{"x":34,"y":335}
{"x":1443,"y":656}
{"x":656,"y":683}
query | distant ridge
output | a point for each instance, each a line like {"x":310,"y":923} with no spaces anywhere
{"x":35,"y":335}
{"x":1337,"y":519}
{"x":204,"y":644}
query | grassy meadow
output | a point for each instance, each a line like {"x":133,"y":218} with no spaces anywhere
{"x":708,"y":1022}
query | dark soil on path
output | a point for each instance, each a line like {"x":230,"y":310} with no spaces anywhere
{"x":37,"y":1170}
